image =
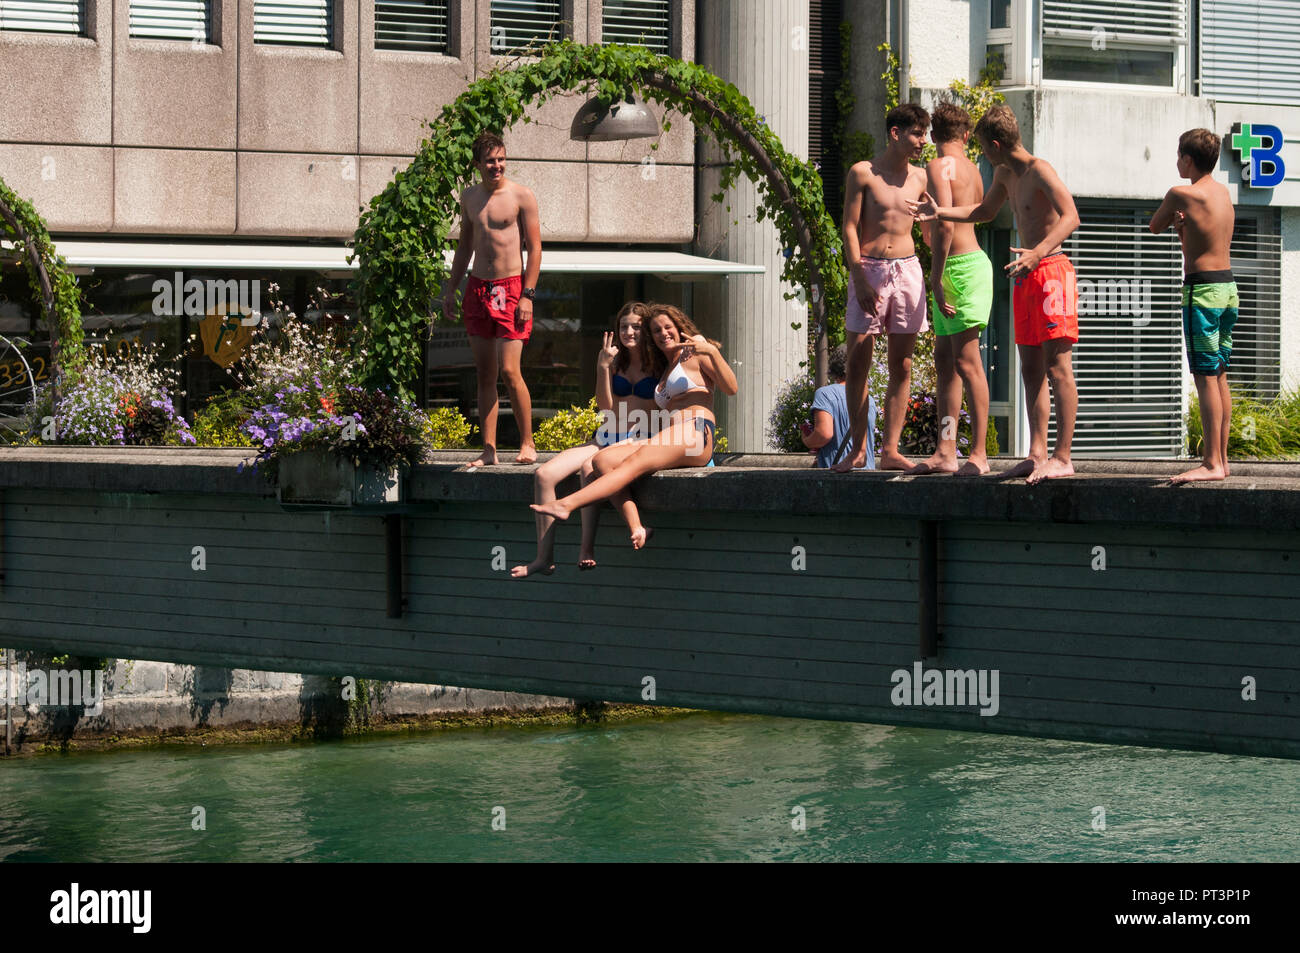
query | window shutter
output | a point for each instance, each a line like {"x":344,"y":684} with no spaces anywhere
{"x":519,"y":24}
{"x":824,"y":76}
{"x":637,"y":22}
{"x":294,"y":22}
{"x":1248,"y":50}
{"x":170,"y":20}
{"x":1142,"y":21}
{"x":1257,"y":338}
{"x":1129,"y":361}
{"x":417,"y":25}
{"x":44,"y":16}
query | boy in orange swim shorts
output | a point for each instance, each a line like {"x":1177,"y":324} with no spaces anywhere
{"x":1045,"y":300}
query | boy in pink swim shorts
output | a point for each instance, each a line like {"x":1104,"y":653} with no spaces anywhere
{"x":886,"y":284}
{"x":900,"y":298}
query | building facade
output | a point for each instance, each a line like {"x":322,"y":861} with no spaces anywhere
{"x":225,"y":139}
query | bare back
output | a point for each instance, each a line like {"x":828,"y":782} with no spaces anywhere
{"x":955,"y":180}
{"x":1030,"y":194}
{"x":879,"y":199}
{"x":498,"y":225}
{"x":1207,"y":231}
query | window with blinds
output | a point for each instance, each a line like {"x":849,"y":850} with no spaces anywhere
{"x":171,"y":20}
{"x":416,"y":25}
{"x":637,"y":22}
{"x":1133,"y":42}
{"x":44,"y":16}
{"x":521,"y":24}
{"x":1161,"y":22}
{"x":294,"y":22}
{"x":1248,"y":50}
{"x":1129,"y":360}
{"x":824,"y":119}
{"x":1257,"y":338}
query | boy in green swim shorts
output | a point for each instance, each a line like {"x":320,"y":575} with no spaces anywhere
{"x":961,"y":280}
{"x":1202,"y":215}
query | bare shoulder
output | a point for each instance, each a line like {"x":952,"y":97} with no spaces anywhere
{"x":1044,"y":171}
{"x":523,"y":193}
{"x":861,"y":172}
{"x":916,"y":173}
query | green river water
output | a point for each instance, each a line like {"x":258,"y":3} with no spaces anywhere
{"x":697,"y":787}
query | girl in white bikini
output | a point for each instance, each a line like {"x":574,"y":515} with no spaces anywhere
{"x":624,"y":385}
{"x":695,"y":368}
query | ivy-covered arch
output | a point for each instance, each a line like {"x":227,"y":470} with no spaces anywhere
{"x":53,"y":287}
{"x":402,"y":235}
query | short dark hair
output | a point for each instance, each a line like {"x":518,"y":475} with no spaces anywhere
{"x":906,"y":116}
{"x":1202,"y":146}
{"x":998,"y":124}
{"x":836,"y":364}
{"x":948,"y":122}
{"x":485,"y":143}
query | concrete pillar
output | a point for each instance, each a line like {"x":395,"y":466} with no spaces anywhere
{"x":760,"y":46}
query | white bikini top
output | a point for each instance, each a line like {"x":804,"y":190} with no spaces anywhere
{"x":677,"y":383}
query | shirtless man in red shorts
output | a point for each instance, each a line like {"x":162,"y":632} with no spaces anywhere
{"x":498,"y":220}
{"x":1046,"y":297}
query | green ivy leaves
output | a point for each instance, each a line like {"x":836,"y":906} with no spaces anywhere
{"x":402,"y":236}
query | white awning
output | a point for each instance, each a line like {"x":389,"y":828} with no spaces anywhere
{"x":333,"y":258}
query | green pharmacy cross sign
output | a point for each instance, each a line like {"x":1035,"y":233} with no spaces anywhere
{"x":1259,"y":148}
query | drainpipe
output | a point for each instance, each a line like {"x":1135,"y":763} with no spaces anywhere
{"x":904,"y":57}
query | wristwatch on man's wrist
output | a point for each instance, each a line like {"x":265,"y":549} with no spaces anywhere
{"x":529,"y":293}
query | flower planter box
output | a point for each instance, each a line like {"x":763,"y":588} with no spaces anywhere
{"x":323,"y":478}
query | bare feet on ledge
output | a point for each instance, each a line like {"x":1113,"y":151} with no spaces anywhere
{"x":849,"y":464}
{"x":893,"y":460}
{"x":939,"y":463}
{"x":488,"y":458}
{"x":551,"y":509}
{"x":527,"y":454}
{"x":534,"y":567}
{"x":1050,"y":470}
{"x":1023,"y":469}
{"x":640,"y":536}
{"x":1199,"y":474}
{"x":975,"y":466}
{"x":586,"y":562}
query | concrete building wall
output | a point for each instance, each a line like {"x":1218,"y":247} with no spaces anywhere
{"x":939,"y":41}
{"x":1116,"y":144}
{"x":142,"y":698}
{"x":237,"y":138}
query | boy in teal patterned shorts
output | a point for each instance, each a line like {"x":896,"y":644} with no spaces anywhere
{"x":1203,"y":216}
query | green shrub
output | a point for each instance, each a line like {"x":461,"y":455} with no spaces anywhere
{"x":991,"y":445}
{"x":1259,"y":429}
{"x":568,"y":428}
{"x":446,"y":428}
{"x":217,"y":424}
{"x":793,"y":407}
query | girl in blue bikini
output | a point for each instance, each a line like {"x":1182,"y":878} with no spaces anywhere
{"x":695,"y":368}
{"x":624,"y":386}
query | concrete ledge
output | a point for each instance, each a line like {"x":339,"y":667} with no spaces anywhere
{"x":1258,"y":496}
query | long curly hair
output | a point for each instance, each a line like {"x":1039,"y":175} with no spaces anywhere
{"x":624,"y":358}
{"x":655,"y":359}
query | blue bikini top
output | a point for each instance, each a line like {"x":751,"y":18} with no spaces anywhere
{"x":644,"y":388}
